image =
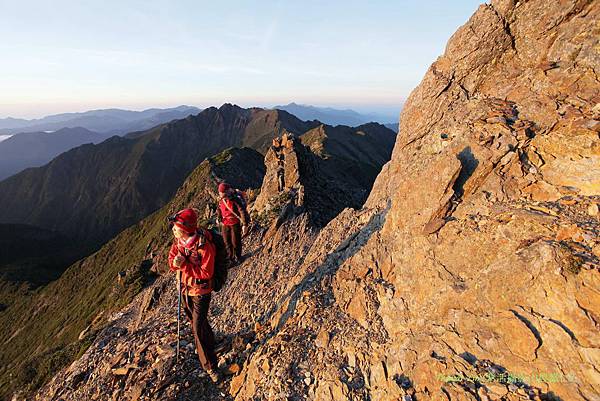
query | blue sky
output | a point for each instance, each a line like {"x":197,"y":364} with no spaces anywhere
{"x":76,"y":55}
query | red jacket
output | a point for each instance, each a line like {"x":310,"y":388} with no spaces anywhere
{"x":229,"y":211}
{"x":199,"y":266}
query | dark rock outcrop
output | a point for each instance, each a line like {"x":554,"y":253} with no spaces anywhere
{"x":324,"y":170}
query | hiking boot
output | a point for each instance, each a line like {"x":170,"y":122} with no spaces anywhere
{"x":214,"y":375}
{"x":222,"y":347}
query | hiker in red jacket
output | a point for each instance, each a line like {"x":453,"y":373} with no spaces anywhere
{"x":234,"y":221}
{"x":192,"y":256}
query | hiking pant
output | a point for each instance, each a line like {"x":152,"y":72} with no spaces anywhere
{"x":196,"y":309}
{"x":232,"y":236}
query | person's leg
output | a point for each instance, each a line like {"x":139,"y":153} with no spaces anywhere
{"x":203,"y":334}
{"x":226,"y":234}
{"x":186,"y":306}
{"x":237,"y":241}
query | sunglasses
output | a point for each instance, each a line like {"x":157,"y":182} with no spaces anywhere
{"x":175,"y":219}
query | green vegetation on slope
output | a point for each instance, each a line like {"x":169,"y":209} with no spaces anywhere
{"x":39,"y":333}
{"x":95,"y":191}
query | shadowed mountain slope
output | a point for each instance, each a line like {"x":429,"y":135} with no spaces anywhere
{"x":89,"y":291}
{"x":94,"y":191}
{"x":35,"y":149}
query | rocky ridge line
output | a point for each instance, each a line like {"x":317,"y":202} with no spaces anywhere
{"x":472,"y":271}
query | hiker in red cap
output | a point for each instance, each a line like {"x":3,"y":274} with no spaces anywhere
{"x":192,"y":256}
{"x":234,"y":220}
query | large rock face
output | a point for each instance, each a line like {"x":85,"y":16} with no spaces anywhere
{"x":475,"y":260}
{"x":472,"y":271}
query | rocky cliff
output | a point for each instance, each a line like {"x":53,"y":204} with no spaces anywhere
{"x":324,"y":170}
{"x":471,"y":273}
{"x":282,"y":231}
{"x":132,"y":355}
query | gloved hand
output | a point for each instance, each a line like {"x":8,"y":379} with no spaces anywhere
{"x":178,"y":260}
{"x":244,"y":230}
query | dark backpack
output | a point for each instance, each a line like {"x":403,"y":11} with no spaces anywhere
{"x":221,"y":261}
{"x":240,"y":198}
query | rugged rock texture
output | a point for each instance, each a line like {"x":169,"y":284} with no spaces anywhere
{"x":472,"y":271}
{"x":132,"y":357}
{"x":325,"y":170}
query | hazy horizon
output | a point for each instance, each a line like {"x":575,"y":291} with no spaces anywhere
{"x":383,"y":110}
{"x":66,"y":56}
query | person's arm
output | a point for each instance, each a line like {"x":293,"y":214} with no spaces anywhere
{"x":241,"y":211}
{"x":244,"y":217}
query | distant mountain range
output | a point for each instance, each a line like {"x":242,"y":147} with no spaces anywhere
{"x":392,"y":126}
{"x":120,"y":122}
{"x":113,"y":121}
{"x":94,"y":191}
{"x":33,"y":143}
{"x":33,"y":149}
{"x":333,"y":116}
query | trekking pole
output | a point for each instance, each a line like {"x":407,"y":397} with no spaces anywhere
{"x":178,"y":312}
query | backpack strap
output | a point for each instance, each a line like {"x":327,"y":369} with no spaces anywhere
{"x":231,"y":210}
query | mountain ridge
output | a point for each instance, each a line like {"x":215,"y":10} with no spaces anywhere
{"x":199,"y":190}
{"x":111,"y":121}
{"x":34,"y":149}
{"x":332,"y":116}
{"x":138,"y":172}
{"x":470,"y":273}
{"x":285,"y":221}
{"x":141,"y":173}
{"x":89,"y":286}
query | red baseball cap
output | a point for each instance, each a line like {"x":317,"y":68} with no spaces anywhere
{"x":186,"y":219}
